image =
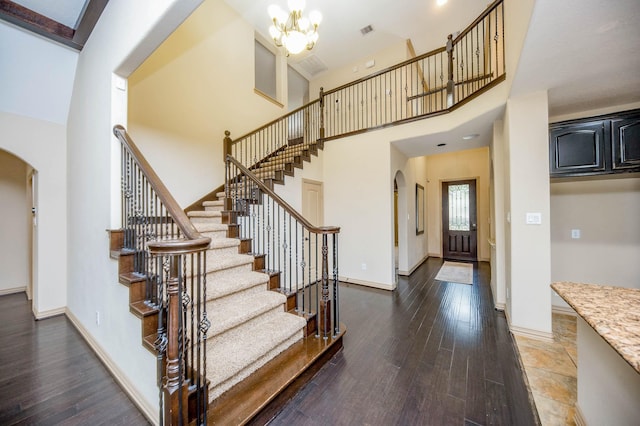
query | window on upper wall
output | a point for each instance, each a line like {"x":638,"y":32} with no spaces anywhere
{"x":265,"y":71}
{"x":297,"y":89}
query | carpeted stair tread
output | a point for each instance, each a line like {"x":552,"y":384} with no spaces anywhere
{"x":228,"y":262}
{"x":238,"y":352}
{"x":226,"y":286}
{"x":204,"y":213}
{"x":231,"y":312}
{"x":221,"y":243}
{"x":210,"y":227}
{"x":217,"y":205}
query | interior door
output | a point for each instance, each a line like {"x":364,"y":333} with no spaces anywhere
{"x":312,"y":210}
{"x":459,"y":220}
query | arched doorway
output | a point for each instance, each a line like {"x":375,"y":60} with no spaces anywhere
{"x":399,"y":223}
{"x":16,"y":227}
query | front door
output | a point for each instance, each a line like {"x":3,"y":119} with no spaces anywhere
{"x":459,"y":225}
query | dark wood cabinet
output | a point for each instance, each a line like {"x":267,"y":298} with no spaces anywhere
{"x":595,"y":145}
{"x":625,"y":143}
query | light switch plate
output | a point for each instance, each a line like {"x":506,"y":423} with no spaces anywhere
{"x":575,"y":234}
{"x":534,"y":218}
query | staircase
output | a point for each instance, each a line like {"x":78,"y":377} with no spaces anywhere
{"x":250,"y":324}
{"x":262,"y":344}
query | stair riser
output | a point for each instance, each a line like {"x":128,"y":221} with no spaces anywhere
{"x":213,"y":208}
{"x":202,"y":220}
{"x":214,"y":275}
{"x":259,"y":317}
{"x":214,"y":235}
{"x":213,"y":254}
{"x":236,"y":296}
{"x":216,"y":389}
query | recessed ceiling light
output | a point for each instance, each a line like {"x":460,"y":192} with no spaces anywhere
{"x":471,"y":136}
{"x":441,"y":144}
{"x":441,"y":2}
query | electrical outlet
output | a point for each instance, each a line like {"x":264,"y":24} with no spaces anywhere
{"x":575,"y":234}
{"x":97,"y":317}
{"x":364,"y":266}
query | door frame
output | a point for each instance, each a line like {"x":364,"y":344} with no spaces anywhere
{"x":476,"y":180}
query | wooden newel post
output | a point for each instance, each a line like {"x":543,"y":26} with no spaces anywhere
{"x":321,"y":113}
{"x":227,"y":142}
{"x":450,"y":84}
{"x":325,"y":303}
{"x":226,"y":145}
{"x":175,"y":399}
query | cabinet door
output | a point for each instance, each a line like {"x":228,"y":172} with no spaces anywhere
{"x":625,"y":143}
{"x":579,"y":148}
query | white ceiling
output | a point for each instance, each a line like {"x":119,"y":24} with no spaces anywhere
{"x":67,"y":12}
{"x":586,"y":53}
{"x":393,"y":21}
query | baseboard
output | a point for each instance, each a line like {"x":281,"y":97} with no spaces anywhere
{"x":564,"y":310}
{"x":578,"y":417}
{"x":416,"y":266}
{"x":14,"y":290}
{"x":39,"y":315}
{"x":500,"y":306}
{"x":149,"y":411}
{"x":532,"y":334}
{"x":382,"y":286}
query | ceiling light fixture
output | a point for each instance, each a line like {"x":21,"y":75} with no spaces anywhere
{"x":471,"y":136}
{"x":293,"y":31}
{"x":441,"y":2}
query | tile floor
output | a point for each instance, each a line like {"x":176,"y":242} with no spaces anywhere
{"x":551,"y":370}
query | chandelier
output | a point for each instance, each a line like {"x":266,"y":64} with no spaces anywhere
{"x":293,"y":31}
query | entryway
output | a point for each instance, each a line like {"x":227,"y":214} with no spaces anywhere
{"x":459,"y":220}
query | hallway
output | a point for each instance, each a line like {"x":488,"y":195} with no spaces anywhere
{"x":429,"y":353}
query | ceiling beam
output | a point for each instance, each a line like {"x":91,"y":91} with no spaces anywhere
{"x":54,"y":30}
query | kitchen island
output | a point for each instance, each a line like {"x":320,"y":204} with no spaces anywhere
{"x":608,"y":352}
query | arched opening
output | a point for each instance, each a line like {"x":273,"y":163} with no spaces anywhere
{"x":17,"y":227}
{"x":399,"y":223}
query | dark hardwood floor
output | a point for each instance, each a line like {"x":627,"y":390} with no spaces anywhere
{"x":430,"y":353}
{"x":50,"y":376}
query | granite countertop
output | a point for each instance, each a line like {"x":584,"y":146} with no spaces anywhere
{"x":613,"y":312}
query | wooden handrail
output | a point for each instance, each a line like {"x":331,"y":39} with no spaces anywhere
{"x":236,"y":140}
{"x":304,"y":222}
{"x":178,"y":215}
{"x":179,"y":246}
{"x":386,"y":70}
{"x":483,"y":15}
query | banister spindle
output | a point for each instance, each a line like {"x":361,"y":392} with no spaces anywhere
{"x":450,"y":84}
{"x":325,"y":303}
{"x":175,"y":398}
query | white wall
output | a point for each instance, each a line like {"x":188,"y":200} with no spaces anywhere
{"x":195,"y":86}
{"x":36,"y":75}
{"x":466,"y":164}
{"x":606,"y":212}
{"x":42,"y":144}
{"x":412,"y":248}
{"x":355,"y":70}
{"x":498,"y":284}
{"x":15,"y":243}
{"x":530,"y":261}
{"x":36,"y":79}
{"x":126,"y":33}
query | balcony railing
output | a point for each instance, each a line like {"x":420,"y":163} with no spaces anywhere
{"x":433,"y":83}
